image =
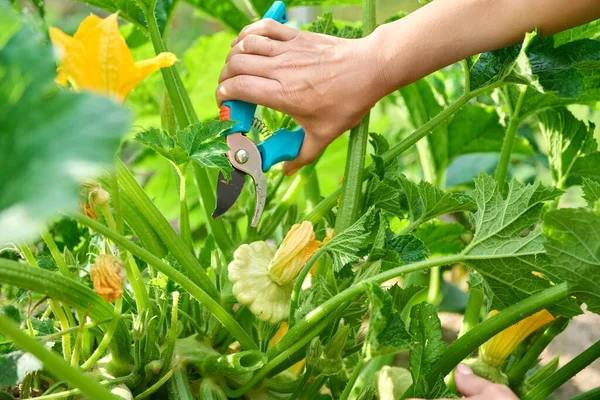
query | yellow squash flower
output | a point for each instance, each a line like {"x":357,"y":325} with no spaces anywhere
{"x":496,"y":350}
{"x":97,"y":59}
{"x":107,"y":276}
{"x":297,"y":368}
{"x":263,"y":276}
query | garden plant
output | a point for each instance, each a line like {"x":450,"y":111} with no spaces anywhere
{"x":475,"y":190}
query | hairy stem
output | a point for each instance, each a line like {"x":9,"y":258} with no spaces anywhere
{"x":298,"y":286}
{"x":472,"y":311}
{"x":186,"y":283}
{"x":52,"y":362}
{"x":330,"y":201}
{"x":357,"y":370}
{"x":351,"y":192}
{"x":509,"y":141}
{"x":570,"y":369}
{"x":106,"y":339}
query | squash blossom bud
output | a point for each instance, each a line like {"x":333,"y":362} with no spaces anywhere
{"x":263,"y":276}
{"x":295,"y":250}
{"x":496,"y":350}
{"x":107,"y":276}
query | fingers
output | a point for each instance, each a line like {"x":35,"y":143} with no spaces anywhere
{"x":311,"y":148}
{"x":258,"y":45}
{"x":269,"y":28}
{"x":251,"y":89}
{"x":247,"y":64}
{"x":468,"y":383}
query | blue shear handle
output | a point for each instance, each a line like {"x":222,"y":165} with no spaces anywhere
{"x":240,"y":111}
{"x":283,"y":145}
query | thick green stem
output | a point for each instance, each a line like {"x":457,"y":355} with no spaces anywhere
{"x":304,"y":328}
{"x":55,"y":253}
{"x":179,"y":386}
{"x":185,"y":230}
{"x":472,"y":311}
{"x":186,"y":283}
{"x":517,"y":373}
{"x":212,"y":363}
{"x":142,"y":228}
{"x":330,"y":201}
{"x":162,"y":227}
{"x":106,"y":339}
{"x":589,"y":395}
{"x":172,"y":336}
{"x":509,"y":141}
{"x":357,"y":148}
{"x":298,"y":286}
{"x":357,"y":370}
{"x":570,"y":369}
{"x":116,"y":203}
{"x":465,"y":345}
{"x":52,"y":362}
{"x":312,"y":191}
{"x":157,"y":385}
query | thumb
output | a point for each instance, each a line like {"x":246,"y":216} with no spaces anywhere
{"x":310,"y":150}
{"x":468,"y":383}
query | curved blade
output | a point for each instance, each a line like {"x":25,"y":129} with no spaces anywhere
{"x":228,"y":192}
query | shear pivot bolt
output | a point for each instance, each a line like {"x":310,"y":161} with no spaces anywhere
{"x":242,"y":156}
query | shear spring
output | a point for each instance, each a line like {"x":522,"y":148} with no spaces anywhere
{"x":261,"y":127}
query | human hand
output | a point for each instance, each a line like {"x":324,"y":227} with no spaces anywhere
{"x":326,"y":84}
{"x":477,"y":388}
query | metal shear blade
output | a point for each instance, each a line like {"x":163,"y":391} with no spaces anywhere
{"x":245,"y":159}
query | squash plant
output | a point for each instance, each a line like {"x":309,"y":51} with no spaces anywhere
{"x":139,"y":293}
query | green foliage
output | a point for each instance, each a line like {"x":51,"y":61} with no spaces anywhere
{"x":508,"y":244}
{"x":327,"y":26}
{"x":426,"y":348}
{"x":591,"y":191}
{"x":131,"y":11}
{"x":442,"y":238}
{"x":200,"y":142}
{"x":574,"y":253}
{"x":387,"y":332}
{"x":572,"y":148}
{"x":50,"y":139}
{"x":224,"y":11}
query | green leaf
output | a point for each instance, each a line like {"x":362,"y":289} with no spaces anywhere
{"x":10,"y":25}
{"x":12,"y":312}
{"x":14,"y":366}
{"x":387,"y":333}
{"x":398,"y":250}
{"x":385,"y":195}
{"x":224,"y":11}
{"x":586,"y":31}
{"x":261,"y":6}
{"x":477,"y":129}
{"x":402,"y":296}
{"x":574,"y":250}
{"x":442,"y":238}
{"x":50,"y":139}
{"x":507,"y":247}
{"x":327,"y":26}
{"x":129,"y":10}
{"x":591,"y":191}
{"x":346,"y":246}
{"x":569,"y":142}
{"x":425,"y":201}
{"x":426,"y":349}
{"x":159,"y":141}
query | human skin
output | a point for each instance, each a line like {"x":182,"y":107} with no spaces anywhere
{"x":474,"y":387}
{"x":328,"y":84}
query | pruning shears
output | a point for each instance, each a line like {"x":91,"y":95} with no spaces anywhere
{"x":247,"y":157}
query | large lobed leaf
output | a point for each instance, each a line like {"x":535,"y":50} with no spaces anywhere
{"x":573,"y":246}
{"x":50,"y":139}
{"x":508,"y":246}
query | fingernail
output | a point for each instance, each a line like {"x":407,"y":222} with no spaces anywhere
{"x":464,"y":370}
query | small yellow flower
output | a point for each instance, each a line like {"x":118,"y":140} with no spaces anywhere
{"x":263,"y":276}
{"x":498,"y":348}
{"x":107,"y":276}
{"x":97,"y":59}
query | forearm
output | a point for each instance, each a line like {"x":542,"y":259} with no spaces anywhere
{"x":447,"y":31}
